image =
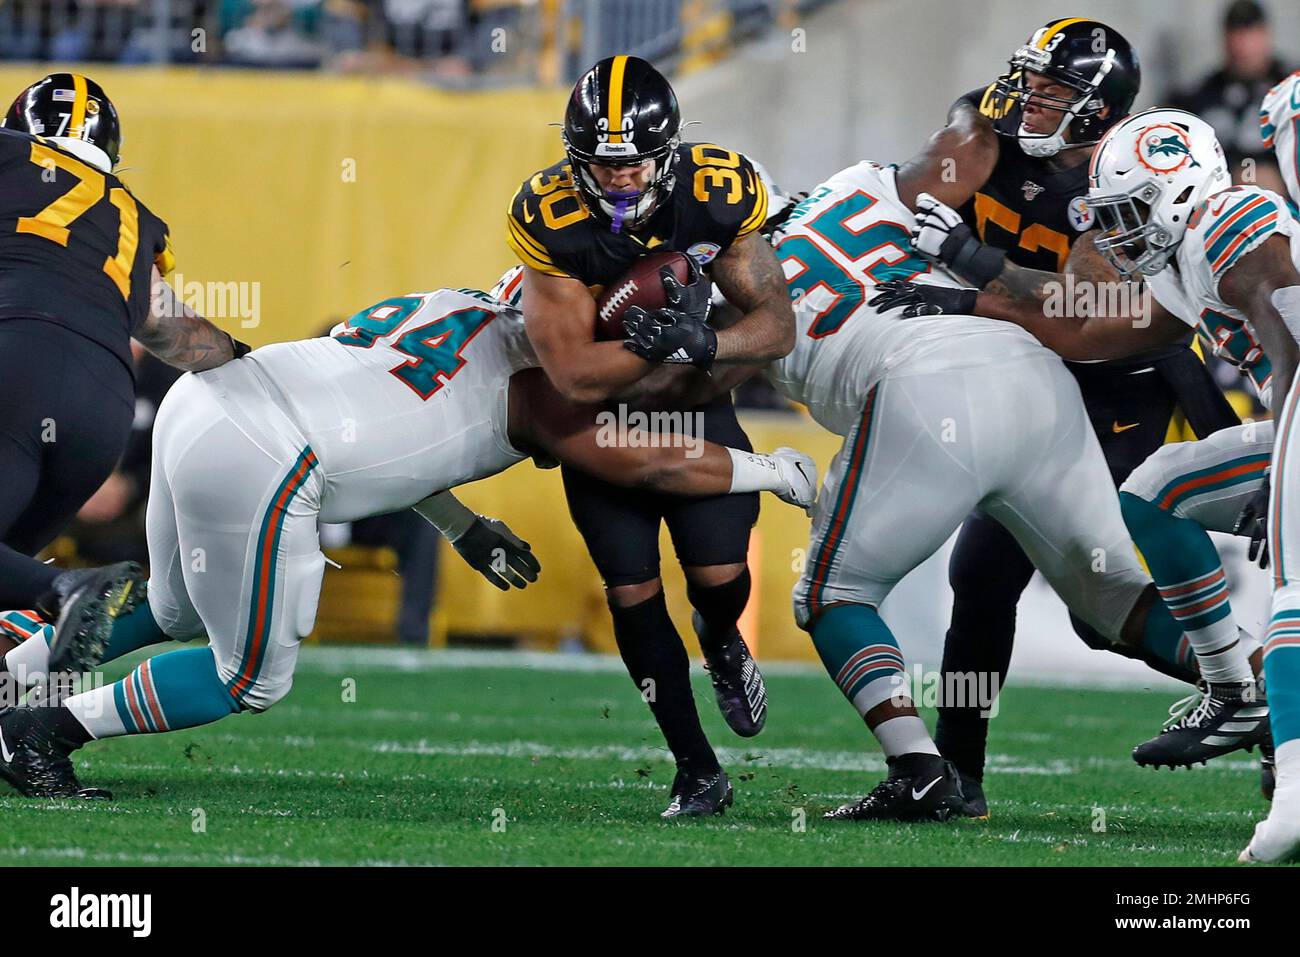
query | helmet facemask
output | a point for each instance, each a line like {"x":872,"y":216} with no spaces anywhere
{"x":1083,"y":110}
{"x":1130,"y":238}
{"x":630,"y":210}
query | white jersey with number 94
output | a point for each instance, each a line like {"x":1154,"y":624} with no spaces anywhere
{"x":406,"y":398}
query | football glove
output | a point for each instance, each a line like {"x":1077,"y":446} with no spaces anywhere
{"x":799,"y":472}
{"x":922,"y":299}
{"x":670,"y":336}
{"x":695,"y":298}
{"x":1253,"y":521}
{"x":498,"y":554}
{"x":940,"y":234}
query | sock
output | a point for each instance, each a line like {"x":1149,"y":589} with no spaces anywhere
{"x":978,"y":643}
{"x":861,"y":654}
{"x":720,"y":606}
{"x":905,"y":734}
{"x":1162,"y":638}
{"x":1282,"y":664}
{"x":134,"y":631}
{"x":657,"y":662}
{"x":1187,"y":570}
{"x":179,"y":689}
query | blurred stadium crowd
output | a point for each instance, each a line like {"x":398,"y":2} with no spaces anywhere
{"x":445,"y":40}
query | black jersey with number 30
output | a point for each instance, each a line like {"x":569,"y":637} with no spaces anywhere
{"x":76,"y":248}
{"x":717,"y":198}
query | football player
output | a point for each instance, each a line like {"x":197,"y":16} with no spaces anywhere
{"x":250,"y":457}
{"x":923,"y":412}
{"x":628,"y":185}
{"x":1224,"y":260}
{"x":999,"y":196}
{"x":81,"y":264}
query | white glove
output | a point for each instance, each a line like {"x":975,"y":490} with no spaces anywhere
{"x":934,"y":223}
{"x":799,"y":474}
{"x":940,"y":235}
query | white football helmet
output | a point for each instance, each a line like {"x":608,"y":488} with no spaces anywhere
{"x":1147,"y":175}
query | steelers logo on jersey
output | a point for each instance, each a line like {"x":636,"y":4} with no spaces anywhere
{"x":1080,"y":214}
{"x":1165,"y":148}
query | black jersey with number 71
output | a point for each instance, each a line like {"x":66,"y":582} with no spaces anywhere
{"x":76,"y":248}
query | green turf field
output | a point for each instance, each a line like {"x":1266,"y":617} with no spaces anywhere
{"x":464,"y":758}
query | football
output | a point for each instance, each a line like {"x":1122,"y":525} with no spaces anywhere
{"x":639,"y":286}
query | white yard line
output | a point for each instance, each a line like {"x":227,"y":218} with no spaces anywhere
{"x":338,"y":659}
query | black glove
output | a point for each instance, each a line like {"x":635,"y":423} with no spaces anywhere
{"x":670,"y":336}
{"x":695,"y":298}
{"x":498,"y":554}
{"x":1253,"y":521}
{"x":921,"y":299}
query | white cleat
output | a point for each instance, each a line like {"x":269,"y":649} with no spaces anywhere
{"x":1275,"y":842}
{"x":1277,"y":837}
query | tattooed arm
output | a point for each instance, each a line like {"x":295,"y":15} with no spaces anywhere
{"x":1019,"y":296}
{"x":1084,"y":263}
{"x":751,"y":279}
{"x":179,"y":336}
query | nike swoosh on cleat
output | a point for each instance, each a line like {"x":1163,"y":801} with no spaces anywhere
{"x":4,"y":750}
{"x":917,"y":795}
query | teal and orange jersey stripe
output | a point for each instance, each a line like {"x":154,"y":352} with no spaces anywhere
{"x":1248,"y":468}
{"x":834,"y":533}
{"x":1251,"y":219}
{"x":260,"y":611}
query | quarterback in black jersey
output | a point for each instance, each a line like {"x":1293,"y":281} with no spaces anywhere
{"x":81,"y":271}
{"x":999,"y":195}
{"x":629,"y":187}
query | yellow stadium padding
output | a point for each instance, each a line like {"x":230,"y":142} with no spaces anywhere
{"x":359,"y":601}
{"x":331,"y":193}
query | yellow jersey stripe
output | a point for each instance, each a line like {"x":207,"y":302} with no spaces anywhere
{"x":538,"y":249}
{"x":528,"y":257}
{"x":615,"y":115}
{"x":1056,"y":28}
{"x":759,"y":214}
{"x":78,"y":105}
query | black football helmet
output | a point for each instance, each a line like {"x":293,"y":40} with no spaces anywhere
{"x":1085,"y":55}
{"x":68,"y":106}
{"x":622,"y":113}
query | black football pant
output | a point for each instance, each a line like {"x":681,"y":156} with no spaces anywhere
{"x":621,"y":529}
{"x":66,"y":406}
{"x":1130,"y":404}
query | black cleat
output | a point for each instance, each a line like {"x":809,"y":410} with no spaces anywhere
{"x":974,"y":803}
{"x":737,"y":683}
{"x":35,"y":759}
{"x":82,"y":604}
{"x":1267,"y":767}
{"x":699,"y":795}
{"x":920,"y":787}
{"x":1215,"y":721}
